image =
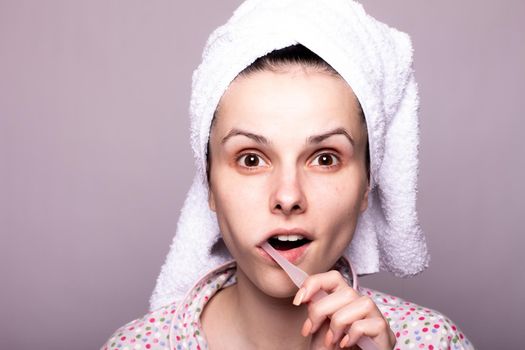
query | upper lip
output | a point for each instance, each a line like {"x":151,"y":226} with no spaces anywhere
{"x":289,"y":231}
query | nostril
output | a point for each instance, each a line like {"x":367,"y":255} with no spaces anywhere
{"x":293,"y":209}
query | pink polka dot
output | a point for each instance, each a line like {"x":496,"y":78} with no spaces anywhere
{"x":425,"y":329}
{"x":152,"y":320}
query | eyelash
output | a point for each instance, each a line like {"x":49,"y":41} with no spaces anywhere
{"x":331,"y":154}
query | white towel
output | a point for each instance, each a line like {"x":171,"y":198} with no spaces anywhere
{"x":376,"y":61}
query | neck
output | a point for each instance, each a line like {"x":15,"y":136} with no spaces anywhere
{"x":265,"y":322}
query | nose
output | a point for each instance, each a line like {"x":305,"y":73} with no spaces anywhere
{"x":287,"y":196}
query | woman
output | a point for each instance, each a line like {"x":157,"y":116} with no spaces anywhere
{"x":318,"y":157}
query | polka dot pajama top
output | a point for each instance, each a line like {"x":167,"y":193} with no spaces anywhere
{"x":177,"y":326}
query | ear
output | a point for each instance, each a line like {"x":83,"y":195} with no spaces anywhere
{"x":364,"y":200}
{"x":211,"y":200}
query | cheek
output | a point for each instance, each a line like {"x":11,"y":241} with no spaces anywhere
{"x":239,"y":207}
{"x":233,"y":194}
{"x":336,"y":195}
{"x":336,"y":206}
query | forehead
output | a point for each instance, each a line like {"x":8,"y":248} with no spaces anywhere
{"x":296,"y":97}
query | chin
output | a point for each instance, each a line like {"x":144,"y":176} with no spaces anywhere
{"x":277,"y":284}
{"x":279,"y":292}
{"x":270,"y":280}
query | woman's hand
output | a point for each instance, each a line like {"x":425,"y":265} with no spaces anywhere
{"x":339,"y":319}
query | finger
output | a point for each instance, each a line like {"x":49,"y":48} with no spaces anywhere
{"x":360,"y":308}
{"x":375,"y":328}
{"x":329,"y":282}
{"x":318,"y":339}
{"x":324,"y":308}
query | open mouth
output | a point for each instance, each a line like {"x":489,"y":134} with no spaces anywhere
{"x":287,"y":242}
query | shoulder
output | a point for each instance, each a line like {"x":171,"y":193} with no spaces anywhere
{"x":150,"y":331}
{"x":416,"y":326}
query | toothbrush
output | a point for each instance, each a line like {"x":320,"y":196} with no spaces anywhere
{"x":298,"y":276}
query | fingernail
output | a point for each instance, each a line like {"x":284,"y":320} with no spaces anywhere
{"x":344,"y":341}
{"x":329,"y":338}
{"x":307,"y":327}
{"x":299,"y":297}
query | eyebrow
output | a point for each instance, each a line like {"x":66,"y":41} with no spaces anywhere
{"x":234,"y":132}
{"x":337,"y":131}
{"x":311,"y":139}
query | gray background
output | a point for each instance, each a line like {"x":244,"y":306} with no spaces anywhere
{"x":95,"y":160}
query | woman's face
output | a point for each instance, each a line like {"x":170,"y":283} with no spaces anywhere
{"x":288,"y":159}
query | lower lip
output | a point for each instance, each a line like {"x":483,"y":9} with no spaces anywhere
{"x":292,"y":255}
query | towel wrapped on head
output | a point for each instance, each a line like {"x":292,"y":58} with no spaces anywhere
{"x":376,"y":61}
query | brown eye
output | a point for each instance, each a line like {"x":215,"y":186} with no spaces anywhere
{"x":251,"y":160}
{"x":325,"y":160}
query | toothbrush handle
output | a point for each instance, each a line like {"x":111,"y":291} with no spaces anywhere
{"x":365,"y":343}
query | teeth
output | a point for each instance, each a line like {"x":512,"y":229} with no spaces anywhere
{"x":292,"y":238}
